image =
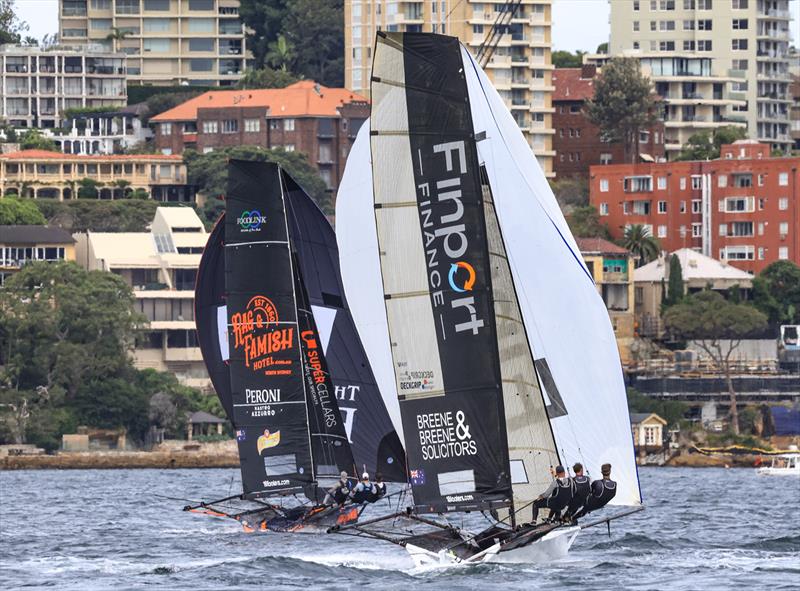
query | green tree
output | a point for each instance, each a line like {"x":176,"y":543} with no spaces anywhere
{"x":776,"y":292}
{"x":718,"y":327}
{"x":11,"y":27}
{"x":675,"y":285}
{"x":264,"y":20}
{"x":671,"y":411}
{"x":20,"y":212}
{"x":164,"y":101}
{"x":280,"y":54}
{"x":88,"y":188}
{"x":80,"y":215}
{"x":641,"y":244}
{"x":62,"y":329}
{"x":34,"y":140}
{"x":571,"y":191}
{"x":602,"y":48}
{"x":584,"y":222}
{"x":210,"y":173}
{"x":266,"y":78}
{"x":315,"y":28}
{"x":705,"y":146}
{"x":623,"y":104}
{"x":116,"y":35}
{"x":566,"y":59}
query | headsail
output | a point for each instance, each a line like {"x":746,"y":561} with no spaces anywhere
{"x":436,"y":275}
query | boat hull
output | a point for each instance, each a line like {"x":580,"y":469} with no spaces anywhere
{"x":779,"y":471}
{"x":552,"y":546}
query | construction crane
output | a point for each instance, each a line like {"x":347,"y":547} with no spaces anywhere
{"x":504,"y":17}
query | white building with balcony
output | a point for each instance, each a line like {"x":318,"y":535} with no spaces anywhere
{"x":37,"y":85}
{"x":161,"y":268}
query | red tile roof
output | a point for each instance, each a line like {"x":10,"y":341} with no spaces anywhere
{"x":301,"y":99}
{"x":47,"y":155}
{"x":599,"y":245}
{"x":569,"y":86}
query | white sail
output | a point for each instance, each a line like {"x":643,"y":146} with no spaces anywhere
{"x":565,"y":318}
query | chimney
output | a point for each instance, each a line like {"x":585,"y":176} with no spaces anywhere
{"x":588,"y":71}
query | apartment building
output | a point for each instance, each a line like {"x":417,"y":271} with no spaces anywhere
{"x":745,"y":39}
{"x":38,"y":85}
{"x":20,"y":245}
{"x":52,"y":175}
{"x":109,"y":132}
{"x":161,"y":268}
{"x":167,"y":42}
{"x":611,"y":267}
{"x":577,"y":141}
{"x":306,"y":117}
{"x":520,"y":67}
{"x":743,"y":209}
{"x":694,"y":99}
{"x":794,"y":91}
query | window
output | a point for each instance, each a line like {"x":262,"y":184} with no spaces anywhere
{"x":739,"y":4}
{"x":653,"y":25}
{"x":201,"y":45}
{"x":697,"y":206}
{"x":705,"y":5}
{"x":783,"y":229}
{"x":666,"y":25}
{"x":689,"y":4}
{"x":697,"y":183}
{"x":783,"y":203}
{"x":737,"y":204}
{"x":683,"y":183}
{"x":741,"y":228}
{"x":252,"y":125}
{"x":688,"y":25}
{"x":723,"y":229}
{"x":738,"y":253}
{"x":604,"y":209}
{"x":662,"y":185}
{"x":201,"y":25}
{"x":688,"y":45}
{"x":666,"y":46}
{"x":201,"y":65}
{"x":704,"y":25}
{"x":783,"y":179}
{"x":722,"y":181}
{"x":704,"y":45}
{"x":230,"y":126}
{"x":662,"y":207}
{"x":682,"y":208}
{"x":760,"y":253}
{"x":637,"y":184}
{"x":166,"y":129}
{"x":210,"y":127}
{"x":605,"y":158}
{"x":662,"y":231}
{"x":604,"y":185}
{"x":289,"y":147}
{"x":635,"y":25}
{"x":156,"y":45}
{"x":697,"y":230}
{"x":783,"y":252}
{"x":739,"y":64}
{"x":636,"y":5}
{"x":100,"y":24}
{"x":739,"y":24}
{"x":156,"y":5}
{"x":739,"y":44}
{"x":127,"y":7}
{"x":760,"y":228}
{"x":477,"y":29}
{"x":101,"y":4}
{"x":288,"y":124}
{"x":156,"y":25}
{"x":201,"y":4}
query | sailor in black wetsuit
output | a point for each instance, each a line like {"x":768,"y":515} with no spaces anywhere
{"x":339,"y":492}
{"x":363,"y":490}
{"x":378,"y":488}
{"x":602,"y":492}
{"x":557,"y":496}
{"x":583,"y":489}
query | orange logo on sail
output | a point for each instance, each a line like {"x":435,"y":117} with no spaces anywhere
{"x":254,"y":333}
{"x":268,"y":440}
{"x":470,"y":281}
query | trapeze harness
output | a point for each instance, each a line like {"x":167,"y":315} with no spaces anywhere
{"x":583,"y":488}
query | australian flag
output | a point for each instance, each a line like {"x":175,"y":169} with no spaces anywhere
{"x":240,"y":435}
{"x":417,"y":477}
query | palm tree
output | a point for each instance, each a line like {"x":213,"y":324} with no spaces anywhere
{"x":116,"y":35}
{"x":280,"y":53}
{"x":641,"y":244}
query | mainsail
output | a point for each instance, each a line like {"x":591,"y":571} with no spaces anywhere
{"x":550,"y":332}
{"x":364,"y":420}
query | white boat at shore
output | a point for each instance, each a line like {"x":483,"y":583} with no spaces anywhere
{"x":786,"y":464}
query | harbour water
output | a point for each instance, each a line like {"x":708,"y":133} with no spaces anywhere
{"x":104,"y":529}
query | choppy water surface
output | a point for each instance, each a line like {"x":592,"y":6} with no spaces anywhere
{"x":703,"y":529}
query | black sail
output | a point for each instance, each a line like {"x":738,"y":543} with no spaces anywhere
{"x":266,"y":368}
{"x":211,"y":315}
{"x":437,"y":275}
{"x":375,"y":443}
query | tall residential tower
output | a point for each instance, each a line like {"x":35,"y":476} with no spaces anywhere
{"x":745,"y":39}
{"x":519,"y":66}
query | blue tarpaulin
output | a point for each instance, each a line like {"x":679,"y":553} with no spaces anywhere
{"x":786,"y":420}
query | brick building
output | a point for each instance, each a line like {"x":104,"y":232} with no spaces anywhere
{"x":577,"y":141}
{"x":743,"y":208}
{"x":320,"y":122}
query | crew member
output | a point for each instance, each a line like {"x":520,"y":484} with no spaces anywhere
{"x":378,"y":488}
{"x":583,"y":489}
{"x":602,"y":492}
{"x":339,"y":492}
{"x":557,"y":496}
{"x":363,"y":490}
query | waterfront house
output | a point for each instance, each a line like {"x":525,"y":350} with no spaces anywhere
{"x":648,"y":432}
